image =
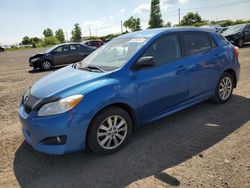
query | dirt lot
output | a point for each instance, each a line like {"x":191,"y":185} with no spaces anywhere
{"x":207,"y":145}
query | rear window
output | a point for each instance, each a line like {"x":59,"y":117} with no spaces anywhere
{"x":196,"y":43}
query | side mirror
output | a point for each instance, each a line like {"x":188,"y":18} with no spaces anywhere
{"x":143,"y":62}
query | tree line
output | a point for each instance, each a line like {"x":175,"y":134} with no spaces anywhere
{"x":190,"y":19}
{"x":51,"y":39}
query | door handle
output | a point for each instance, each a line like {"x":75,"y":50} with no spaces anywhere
{"x":181,"y":68}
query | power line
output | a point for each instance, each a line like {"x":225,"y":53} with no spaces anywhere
{"x":173,"y":13}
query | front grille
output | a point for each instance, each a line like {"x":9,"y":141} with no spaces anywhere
{"x":30,"y":102}
{"x":27,"y":109}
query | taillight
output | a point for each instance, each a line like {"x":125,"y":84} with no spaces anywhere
{"x":236,"y":51}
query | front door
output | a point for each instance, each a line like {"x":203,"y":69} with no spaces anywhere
{"x":165,"y":85}
{"x":61,"y":55}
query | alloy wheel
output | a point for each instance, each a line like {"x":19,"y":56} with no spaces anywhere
{"x":46,"y":65}
{"x":225,"y":88}
{"x":112,"y":132}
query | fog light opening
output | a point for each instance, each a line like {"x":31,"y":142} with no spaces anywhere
{"x":55,"y":140}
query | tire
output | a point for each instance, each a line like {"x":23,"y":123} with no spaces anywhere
{"x":46,"y":65}
{"x":103,"y":137}
{"x":240,"y":43}
{"x":224,"y":88}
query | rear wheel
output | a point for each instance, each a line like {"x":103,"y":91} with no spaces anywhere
{"x":46,"y":65}
{"x":224,"y":88}
{"x":109,"y":131}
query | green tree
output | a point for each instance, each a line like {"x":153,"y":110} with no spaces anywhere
{"x":76,"y":33}
{"x":51,"y":40}
{"x":59,"y":34}
{"x":168,"y":24}
{"x":48,"y":32}
{"x":26,"y":40}
{"x":35,"y":40}
{"x":133,"y":24}
{"x":155,"y":19}
{"x":191,"y":19}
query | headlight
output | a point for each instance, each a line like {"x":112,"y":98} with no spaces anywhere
{"x":60,"y":106}
{"x":34,"y":60}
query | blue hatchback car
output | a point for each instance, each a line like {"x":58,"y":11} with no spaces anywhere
{"x":132,"y":80}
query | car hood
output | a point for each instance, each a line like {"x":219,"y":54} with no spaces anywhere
{"x":37,"y":55}
{"x":64,"y":82}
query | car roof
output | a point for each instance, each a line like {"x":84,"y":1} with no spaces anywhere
{"x":148,"y":33}
{"x":99,"y":40}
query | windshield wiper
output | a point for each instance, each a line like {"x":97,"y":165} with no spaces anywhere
{"x":92,"y":68}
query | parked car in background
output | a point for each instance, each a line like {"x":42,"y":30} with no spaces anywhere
{"x":216,"y":28}
{"x":132,"y":80}
{"x":238,"y":34}
{"x":94,"y":43}
{"x":2,"y":49}
{"x":60,"y":55}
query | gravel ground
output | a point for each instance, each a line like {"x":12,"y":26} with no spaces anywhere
{"x":207,"y":145}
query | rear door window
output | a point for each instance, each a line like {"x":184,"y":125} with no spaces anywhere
{"x":196,"y":43}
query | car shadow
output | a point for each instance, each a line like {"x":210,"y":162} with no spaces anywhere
{"x":40,"y":70}
{"x":246,"y":45}
{"x":151,"y":150}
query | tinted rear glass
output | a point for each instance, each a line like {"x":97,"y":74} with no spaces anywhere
{"x":196,"y":42}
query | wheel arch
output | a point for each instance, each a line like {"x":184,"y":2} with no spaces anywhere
{"x":233,"y":74}
{"x":123,"y":106}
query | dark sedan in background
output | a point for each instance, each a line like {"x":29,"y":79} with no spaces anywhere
{"x":1,"y":49}
{"x":238,"y":34}
{"x":60,"y":55}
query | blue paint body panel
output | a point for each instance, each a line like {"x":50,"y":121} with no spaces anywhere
{"x":150,"y":93}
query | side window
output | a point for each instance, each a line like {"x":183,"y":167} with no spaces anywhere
{"x":164,"y":49}
{"x":196,"y":42}
{"x":73,"y":47}
{"x":58,"y":50}
{"x":248,"y":28}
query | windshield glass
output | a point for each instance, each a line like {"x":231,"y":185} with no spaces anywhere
{"x":113,"y":54}
{"x":235,"y":29}
{"x":51,"y":48}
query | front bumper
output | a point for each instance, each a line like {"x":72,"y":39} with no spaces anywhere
{"x":36,"y":129}
{"x":34,"y":64}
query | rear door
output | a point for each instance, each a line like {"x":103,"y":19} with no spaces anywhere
{"x":203,"y":57}
{"x":75,"y":53}
{"x":165,"y":85}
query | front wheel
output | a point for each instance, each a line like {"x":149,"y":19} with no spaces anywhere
{"x":109,"y":131}
{"x":46,"y":65}
{"x":224,"y":88}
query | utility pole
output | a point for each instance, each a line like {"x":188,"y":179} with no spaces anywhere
{"x":121,"y":27}
{"x":179,"y":15}
{"x":89,"y":32}
{"x":66,"y":36}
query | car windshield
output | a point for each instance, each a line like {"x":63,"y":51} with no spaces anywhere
{"x":235,"y":28}
{"x":113,"y":54}
{"x":51,"y":48}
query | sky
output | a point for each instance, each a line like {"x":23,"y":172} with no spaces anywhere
{"x":19,"y":18}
